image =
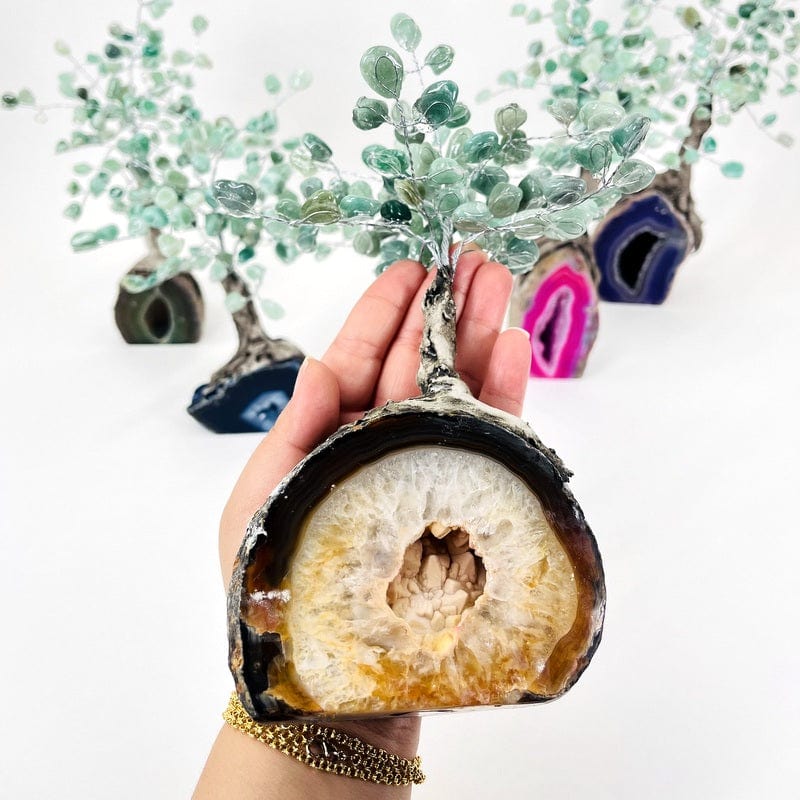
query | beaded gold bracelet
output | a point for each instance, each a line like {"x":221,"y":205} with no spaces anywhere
{"x":328,"y":749}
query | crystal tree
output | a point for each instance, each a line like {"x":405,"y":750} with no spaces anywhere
{"x":687,"y":69}
{"x":155,"y":160}
{"x":438,"y":185}
{"x":430,"y":554}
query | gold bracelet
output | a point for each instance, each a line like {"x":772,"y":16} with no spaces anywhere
{"x":327,"y":749}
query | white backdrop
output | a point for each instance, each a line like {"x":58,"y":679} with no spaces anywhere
{"x":683,"y":437}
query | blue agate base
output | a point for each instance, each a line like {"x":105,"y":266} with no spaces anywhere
{"x":246,"y":404}
{"x":639,"y":248}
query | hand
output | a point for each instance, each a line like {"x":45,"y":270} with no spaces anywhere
{"x":373,"y":359}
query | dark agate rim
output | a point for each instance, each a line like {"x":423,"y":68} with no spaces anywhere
{"x":447,"y":421}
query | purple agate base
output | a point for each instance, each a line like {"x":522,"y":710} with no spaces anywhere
{"x":639,"y":247}
{"x":559,"y":311}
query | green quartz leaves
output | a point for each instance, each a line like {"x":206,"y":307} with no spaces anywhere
{"x":321,"y":209}
{"x":628,"y":135}
{"x":405,"y":31}
{"x":318,"y":149}
{"x":238,"y":198}
{"x":509,"y":118}
{"x":633,"y":176}
{"x":437,"y":102}
{"x":369,"y":113}
{"x":440,"y":58}
{"x":382,"y":69}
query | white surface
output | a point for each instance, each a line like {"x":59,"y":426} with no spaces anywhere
{"x":683,"y":437}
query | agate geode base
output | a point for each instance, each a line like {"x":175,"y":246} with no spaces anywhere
{"x":428,"y":556}
{"x":556,"y":303}
{"x":247,"y":402}
{"x":639,"y":246}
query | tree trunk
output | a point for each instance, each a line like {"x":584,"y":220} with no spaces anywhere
{"x":255,"y":349}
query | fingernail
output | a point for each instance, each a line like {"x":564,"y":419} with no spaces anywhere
{"x":525,"y":333}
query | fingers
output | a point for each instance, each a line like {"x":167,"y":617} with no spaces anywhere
{"x":507,"y":371}
{"x":311,"y":415}
{"x":398,"y":379}
{"x":356,"y":355}
{"x":480,"y":323}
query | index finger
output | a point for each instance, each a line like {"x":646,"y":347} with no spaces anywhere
{"x":369,"y":331}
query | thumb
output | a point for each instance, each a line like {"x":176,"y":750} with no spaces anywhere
{"x":311,"y":414}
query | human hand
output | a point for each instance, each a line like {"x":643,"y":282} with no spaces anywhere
{"x":372,"y":360}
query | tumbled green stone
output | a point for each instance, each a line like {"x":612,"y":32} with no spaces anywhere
{"x":245,"y":254}
{"x":311,"y":186}
{"x":319,"y":150}
{"x":564,"y":110}
{"x":307,"y":238}
{"x":177,"y":180}
{"x":112,"y":51}
{"x":517,"y":149}
{"x":472,"y":217}
{"x":504,"y":200}
{"x":509,"y":118}
{"x":366,"y":243}
{"x":353,"y":206}
{"x":481,"y":147}
{"x":437,"y":101}
{"x":384,"y":160}
{"x":455,"y":144}
{"x":300,"y":80}
{"x":73,"y":211}
{"x":597,"y":114}
{"x":440,"y":58}
{"x":154,"y":217}
{"x":382,"y":69}
{"x":166,"y":197}
{"x":550,"y":66}
{"x":449,"y":201}
{"x":633,"y":176}
{"x":460,"y":116}
{"x":288,"y":208}
{"x":593,"y":154}
{"x":690,"y":155}
{"x":360,"y":189}
{"x":628,"y":136}
{"x":201,"y":162}
{"x":423,"y":155}
{"x":486,"y":178}
{"x":25,"y":97}
{"x":732,"y":169}
{"x":746,"y":10}
{"x":411,"y":192}
{"x":395,"y":211}
{"x":108,"y":233}
{"x":392,"y":250}
{"x":369,"y":113}
{"x":445,"y":171}
{"x":532,"y":193}
{"x":272,"y":84}
{"x":405,"y":31}
{"x":527,"y":225}
{"x":233,"y":196}
{"x":566,"y":224}
{"x":181,"y":216}
{"x":563,"y":190}
{"x":169,"y":245}
{"x":84,"y":240}
{"x":321,"y":209}
{"x":520,"y":255}
{"x":508,"y":78}
{"x":214,"y":224}
{"x":199,"y":24}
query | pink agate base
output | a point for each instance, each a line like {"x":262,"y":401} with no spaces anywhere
{"x":557,"y":322}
